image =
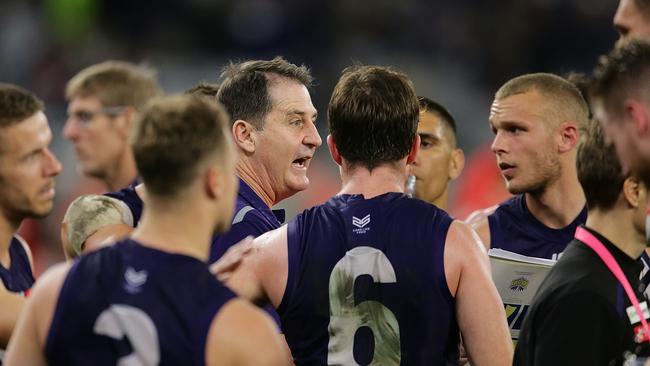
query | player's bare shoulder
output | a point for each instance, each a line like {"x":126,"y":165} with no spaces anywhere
{"x":28,"y":340}
{"x":273,"y":236}
{"x":46,"y":290}
{"x":478,"y":220}
{"x":462,"y":245}
{"x":238,"y":320}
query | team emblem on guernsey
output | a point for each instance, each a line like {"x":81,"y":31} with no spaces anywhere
{"x":519,"y":284}
{"x":134,"y":280}
{"x":361,"y":224}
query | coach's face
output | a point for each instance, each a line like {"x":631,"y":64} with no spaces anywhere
{"x":27,"y":169}
{"x":523,"y":142}
{"x":287,"y":142}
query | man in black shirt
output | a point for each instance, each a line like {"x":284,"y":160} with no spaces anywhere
{"x":579,"y":315}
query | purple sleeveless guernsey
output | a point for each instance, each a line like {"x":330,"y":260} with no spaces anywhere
{"x":18,"y":277}
{"x":130,"y":197}
{"x":514,"y":228}
{"x":129,"y":304}
{"x":251,"y":218}
{"x":366,"y":284}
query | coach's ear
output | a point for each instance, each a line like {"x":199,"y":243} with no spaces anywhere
{"x":242,"y":133}
{"x":334,"y":151}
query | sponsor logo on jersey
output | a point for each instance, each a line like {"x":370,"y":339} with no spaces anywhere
{"x":361,"y":224}
{"x":134,"y":280}
{"x":519,"y":284}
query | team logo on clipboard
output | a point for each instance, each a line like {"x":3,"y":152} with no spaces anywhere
{"x":519,"y":284}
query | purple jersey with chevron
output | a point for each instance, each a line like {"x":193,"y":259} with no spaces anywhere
{"x":252,"y":217}
{"x":514,"y":228}
{"x":366,"y":284}
{"x":130,"y":304}
{"x":18,"y":277}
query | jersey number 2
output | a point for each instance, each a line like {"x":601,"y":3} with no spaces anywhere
{"x":119,"y":321}
{"x":346,"y":318}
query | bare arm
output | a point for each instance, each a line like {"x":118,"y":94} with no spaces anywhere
{"x":241,"y":334}
{"x":478,"y":220}
{"x":480,"y":313}
{"x":11,"y":305}
{"x":106,"y":236}
{"x":28,"y":342}
{"x":262,"y":274}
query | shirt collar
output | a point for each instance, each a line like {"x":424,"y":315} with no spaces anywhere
{"x":255,"y":201}
{"x":625,"y":261}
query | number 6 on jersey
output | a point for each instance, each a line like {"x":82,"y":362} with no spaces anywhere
{"x":346,"y":318}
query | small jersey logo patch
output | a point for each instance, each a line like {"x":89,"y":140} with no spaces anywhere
{"x":361,"y":224}
{"x":134,"y":280}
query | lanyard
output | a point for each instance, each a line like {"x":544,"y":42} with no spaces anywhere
{"x":592,"y":242}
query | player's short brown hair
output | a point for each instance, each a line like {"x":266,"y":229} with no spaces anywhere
{"x":174,"y":136}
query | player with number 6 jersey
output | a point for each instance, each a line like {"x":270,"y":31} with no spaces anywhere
{"x":381,"y":261}
{"x":373,"y":277}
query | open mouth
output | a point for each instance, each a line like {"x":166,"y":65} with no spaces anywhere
{"x":301,"y":162}
{"x":48,"y":191}
{"x":506,"y":170}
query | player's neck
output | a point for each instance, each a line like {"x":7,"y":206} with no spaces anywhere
{"x":7,"y":230}
{"x":124,"y":172}
{"x":383,"y":179}
{"x":617,"y":226}
{"x":181,"y":228}
{"x":442,"y":201}
{"x":253,"y":177}
{"x":558,"y":204}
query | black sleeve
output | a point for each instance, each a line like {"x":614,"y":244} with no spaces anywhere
{"x":577,"y":329}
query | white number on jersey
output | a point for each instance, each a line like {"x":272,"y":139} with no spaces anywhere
{"x":346,"y":318}
{"x":119,"y":321}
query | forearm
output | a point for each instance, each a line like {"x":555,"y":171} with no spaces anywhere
{"x":11,"y":305}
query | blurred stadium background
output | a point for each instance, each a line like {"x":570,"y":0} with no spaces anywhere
{"x":456,"y":52}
